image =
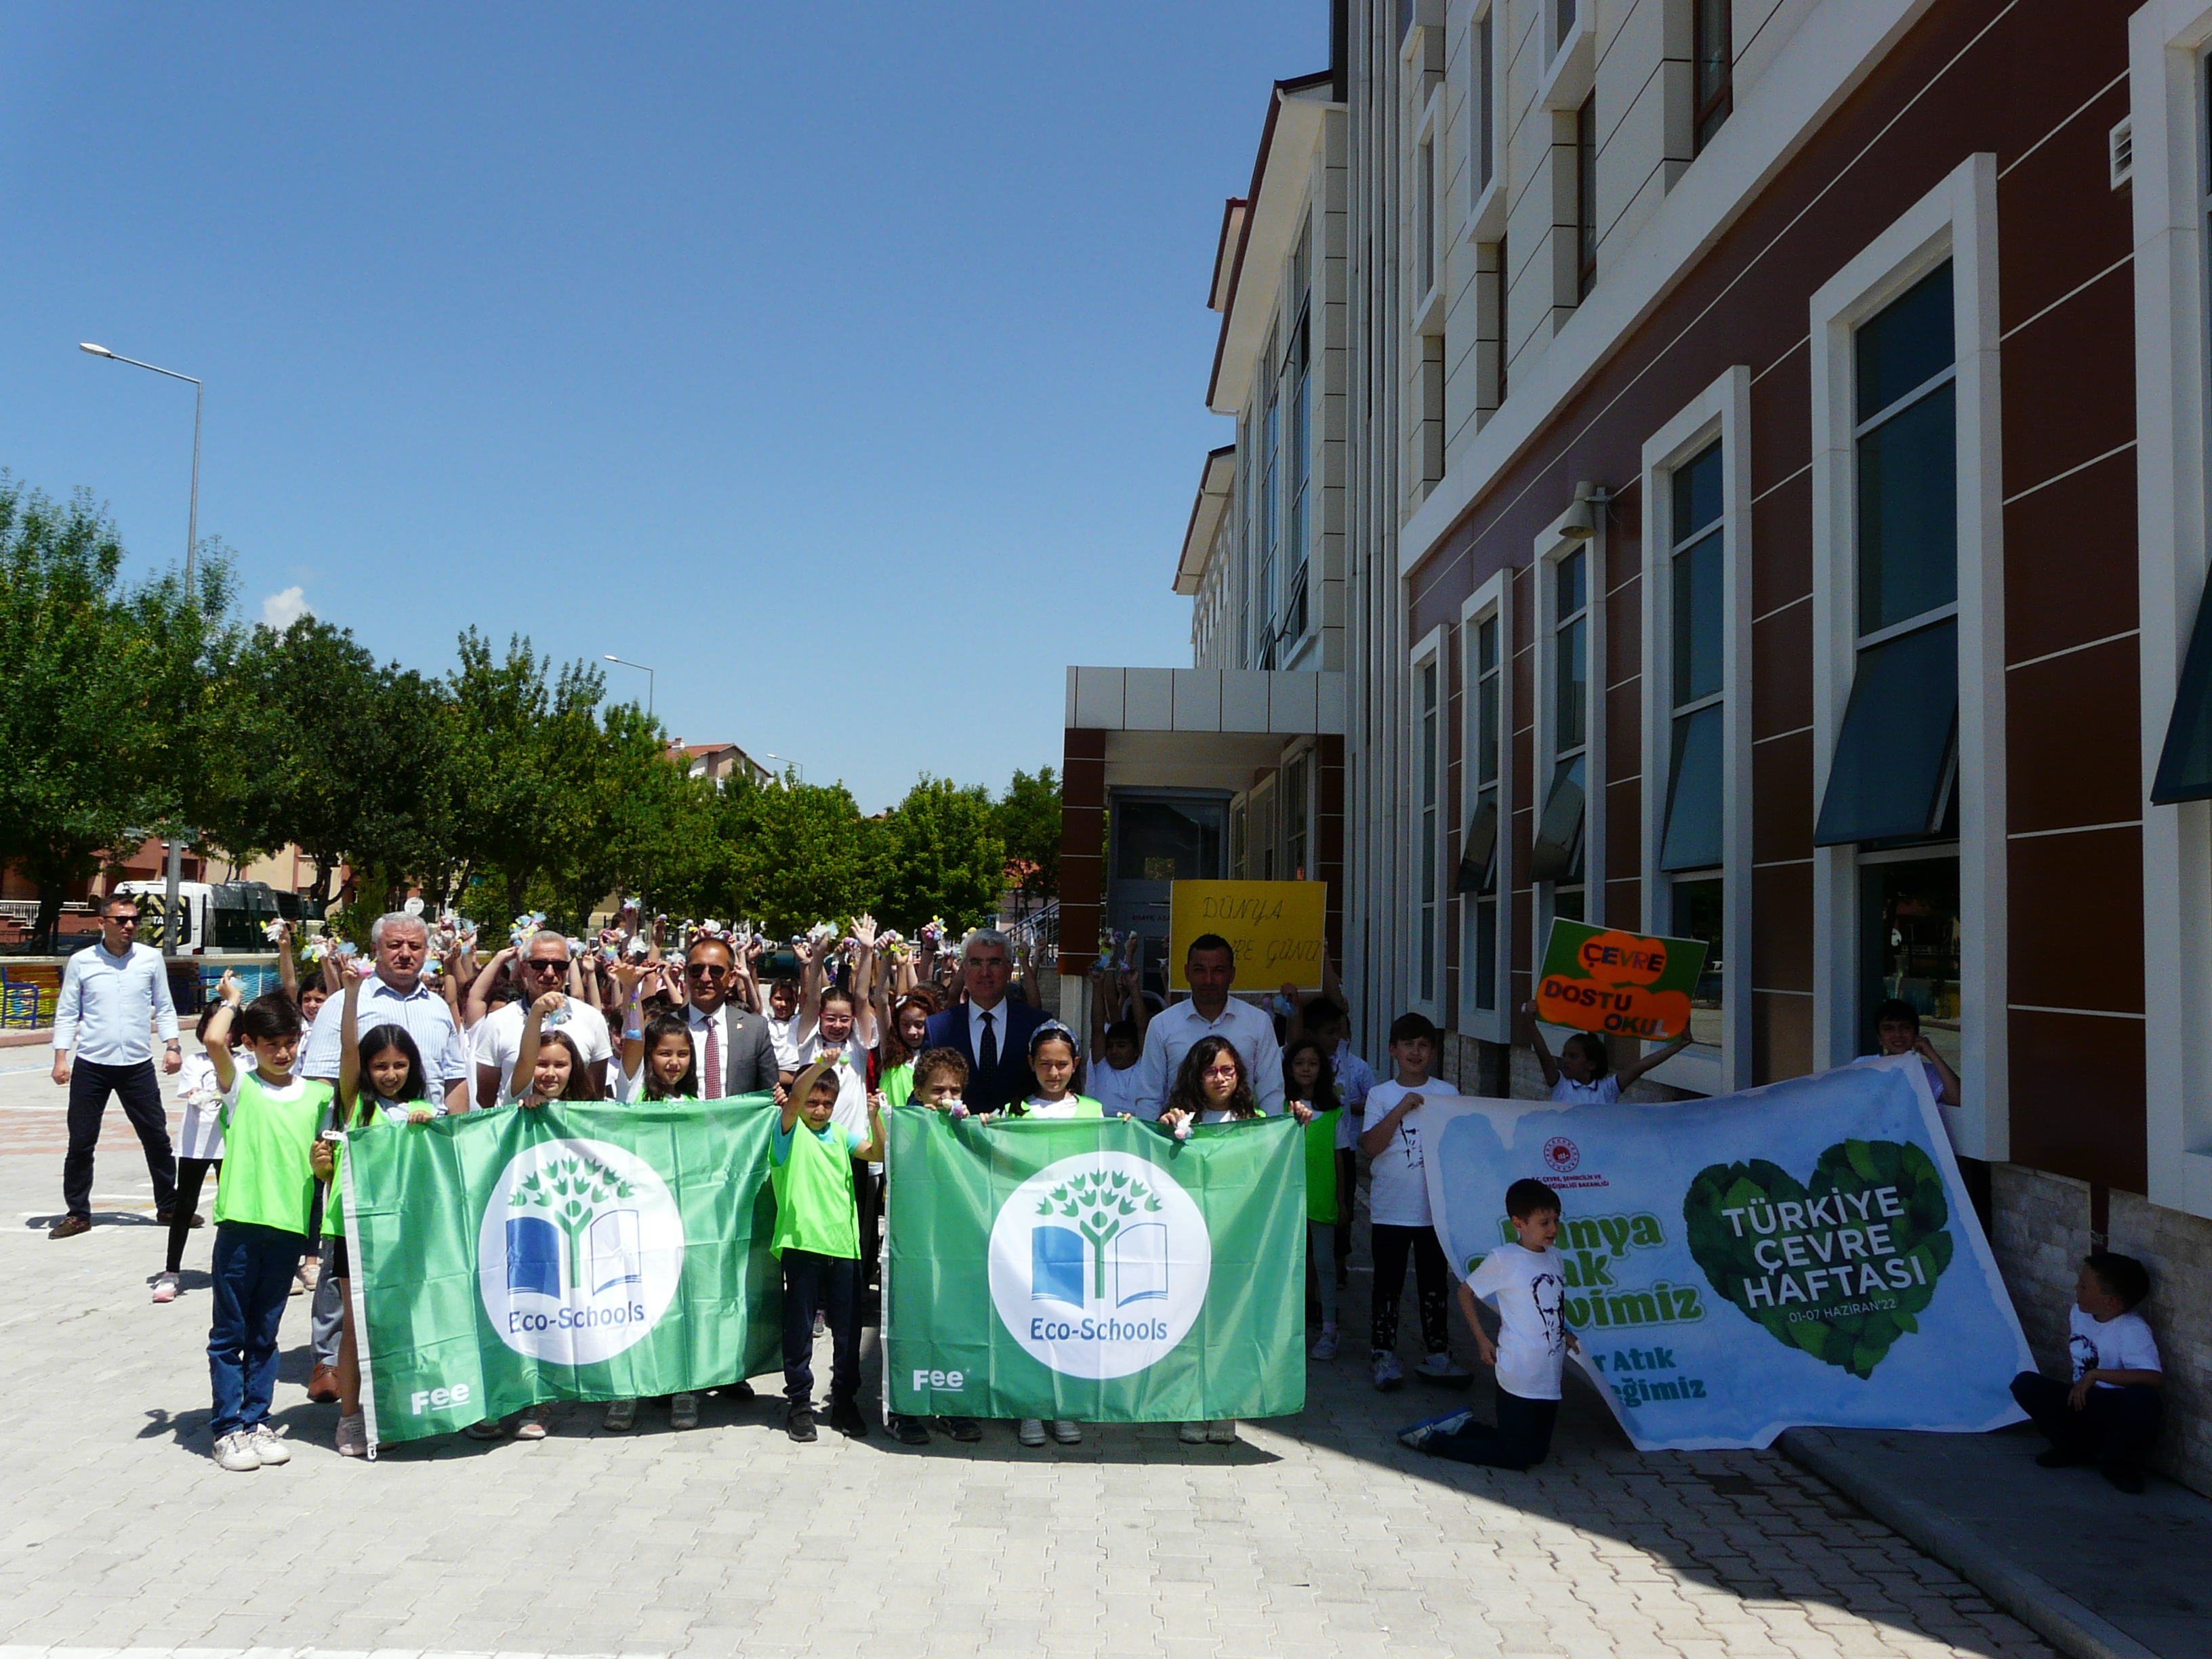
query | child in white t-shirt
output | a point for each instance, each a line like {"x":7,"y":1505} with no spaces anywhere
{"x":1583,"y":1074}
{"x":1527,"y":1281}
{"x":2110,"y":1414}
{"x":1398,"y":1210}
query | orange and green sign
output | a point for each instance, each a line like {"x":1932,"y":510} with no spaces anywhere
{"x":1629,"y":985}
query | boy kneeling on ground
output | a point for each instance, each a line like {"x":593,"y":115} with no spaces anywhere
{"x":2110,"y":1415}
{"x":1527,"y":1282}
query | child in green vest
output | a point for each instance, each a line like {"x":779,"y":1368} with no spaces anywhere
{"x":263,"y":1211}
{"x":1308,"y":1077}
{"x":818,"y":1239}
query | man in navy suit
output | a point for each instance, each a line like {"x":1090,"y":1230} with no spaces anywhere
{"x":991,"y":1029}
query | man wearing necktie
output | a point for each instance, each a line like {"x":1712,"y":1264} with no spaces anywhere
{"x":732,"y":1046}
{"x":991,"y":1029}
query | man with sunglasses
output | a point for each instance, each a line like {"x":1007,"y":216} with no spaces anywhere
{"x":543,"y":966}
{"x":731,"y":1048}
{"x":113,"y":997}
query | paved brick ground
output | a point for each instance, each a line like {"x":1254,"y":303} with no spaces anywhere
{"x":1317,"y":1534}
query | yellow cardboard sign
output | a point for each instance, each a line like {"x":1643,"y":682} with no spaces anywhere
{"x":1276,"y":927}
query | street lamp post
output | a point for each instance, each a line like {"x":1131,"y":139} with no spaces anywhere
{"x":627,"y":663}
{"x":787,"y":761}
{"x":192,"y":550}
{"x":199,"y":396}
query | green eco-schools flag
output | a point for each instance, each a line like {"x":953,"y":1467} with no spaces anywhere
{"x":566,"y":1252}
{"x":1095,"y":1269}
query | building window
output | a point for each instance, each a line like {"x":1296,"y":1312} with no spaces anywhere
{"x":1298,"y":372}
{"x":1556,"y":853}
{"x":1296,"y":809}
{"x":1479,"y":855}
{"x":1586,"y":197}
{"x":1908,"y":935}
{"x":1713,"y":68}
{"x":1562,"y":21}
{"x":1424,"y":215}
{"x":1895,"y":772}
{"x":1482,"y":100}
{"x":1430,"y":828}
{"x":1271,"y":445}
{"x":1691,"y":836}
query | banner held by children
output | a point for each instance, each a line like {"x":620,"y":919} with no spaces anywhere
{"x":565,"y":1252}
{"x":1619,"y":984}
{"x":1276,"y":927}
{"x":1800,"y":1255}
{"x":1097,"y":1270}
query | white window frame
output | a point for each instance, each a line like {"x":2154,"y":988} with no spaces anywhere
{"x":1485,"y":203}
{"x":2167,"y":41}
{"x":1494,"y":599}
{"x":1722,"y":412}
{"x":1427,"y":306}
{"x":1429,"y":648}
{"x":1569,"y":68}
{"x":1956,"y":221}
{"x":1552,"y":544}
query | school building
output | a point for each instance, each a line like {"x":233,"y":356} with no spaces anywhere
{"x":1728,"y":468}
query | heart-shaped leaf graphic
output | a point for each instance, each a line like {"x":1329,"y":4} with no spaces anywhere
{"x":1840,"y":1266}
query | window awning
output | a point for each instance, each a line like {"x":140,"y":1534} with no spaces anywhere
{"x":1693,"y":837}
{"x":1478,"y":858}
{"x":1893,"y":765}
{"x":1557,"y":854}
{"x":2185,"y":765}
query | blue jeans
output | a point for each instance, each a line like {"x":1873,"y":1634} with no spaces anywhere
{"x":253,"y":1269}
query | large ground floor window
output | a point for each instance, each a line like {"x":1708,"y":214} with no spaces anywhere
{"x":1909,"y":940}
{"x":1698,"y":915}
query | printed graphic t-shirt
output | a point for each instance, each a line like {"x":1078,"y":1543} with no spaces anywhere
{"x":1527,"y":1287}
{"x":2123,"y":1343}
{"x":812,"y":1175}
{"x":1398,"y":1179}
{"x":268,"y":1135}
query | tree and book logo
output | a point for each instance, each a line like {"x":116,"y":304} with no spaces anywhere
{"x":1099,"y":1264}
{"x":579,"y":1251}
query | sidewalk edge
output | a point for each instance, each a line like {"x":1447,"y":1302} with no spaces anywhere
{"x":2034,"y":1601}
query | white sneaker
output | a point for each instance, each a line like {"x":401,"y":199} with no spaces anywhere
{"x":1324,"y":1346}
{"x":1222,"y":1431}
{"x":1438,"y":1368}
{"x":1192,"y":1434}
{"x":1067,"y":1433}
{"x":236,"y":1452}
{"x":1383,"y":1369}
{"x":267,"y":1446}
{"x":353,"y":1437}
{"x":166,"y":1288}
{"x":1030,"y":1431}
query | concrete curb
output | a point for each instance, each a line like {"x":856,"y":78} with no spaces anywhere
{"x":2041,"y":1606}
{"x":41,"y":1038}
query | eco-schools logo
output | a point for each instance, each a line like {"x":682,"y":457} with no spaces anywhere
{"x":579,"y":1251}
{"x":1099,"y":1264}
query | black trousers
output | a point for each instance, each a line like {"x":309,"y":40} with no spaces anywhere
{"x":2114,"y":1425}
{"x":1522,"y":1439}
{"x":1390,"y":1246}
{"x":140,"y":1091}
{"x":831,"y":1282}
{"x":191,"y":1173}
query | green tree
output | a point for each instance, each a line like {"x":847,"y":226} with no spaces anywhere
{"x":797,"y":854}
{"x":942,"y":857}
{"x":109,"y":689}
{"x":1028,"y":820}
{"x":1100,"y":1204}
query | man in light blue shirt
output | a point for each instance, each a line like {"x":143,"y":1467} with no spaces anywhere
{"x":113,"y":995}
{"x":396,"y":996}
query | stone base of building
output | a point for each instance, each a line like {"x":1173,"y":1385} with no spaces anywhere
{"x":2042,"y":1233}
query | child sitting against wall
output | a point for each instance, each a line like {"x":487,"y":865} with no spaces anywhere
{"x":2110,"y":1414}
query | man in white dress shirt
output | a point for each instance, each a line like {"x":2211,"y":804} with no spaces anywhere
{"x":113,"y":996}
{"x":541,"y":966}
{"x":1211,"y":968}
{"x":396,"y":996}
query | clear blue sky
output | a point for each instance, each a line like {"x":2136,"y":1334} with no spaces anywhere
{"x":799,"y":352}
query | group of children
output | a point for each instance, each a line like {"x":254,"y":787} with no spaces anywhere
{"x":278,"y":1140}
